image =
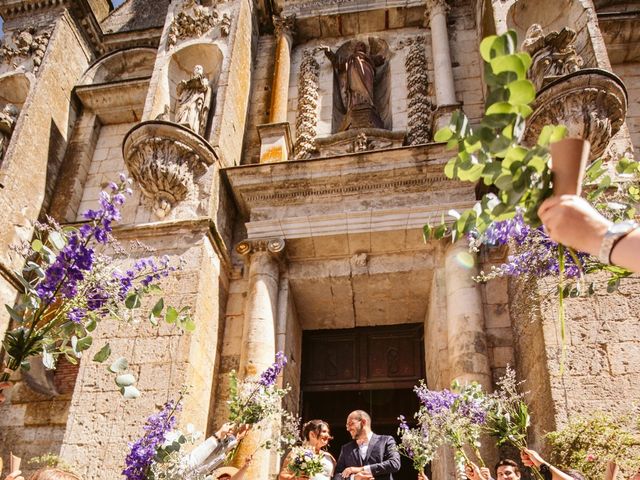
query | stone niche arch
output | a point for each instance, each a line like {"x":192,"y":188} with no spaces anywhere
{"x":14,"y":90}
{"x":553,"y":16}
{"x":121,"y":65}
{"x":181,"y":66}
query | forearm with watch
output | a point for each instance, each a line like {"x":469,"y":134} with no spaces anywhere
{"x":620,"y":245}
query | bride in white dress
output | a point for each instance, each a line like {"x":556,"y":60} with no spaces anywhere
{"x":315,"y":434}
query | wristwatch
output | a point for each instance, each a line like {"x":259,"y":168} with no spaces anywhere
{"x":615,"y":233}
{"x":545,"y":471}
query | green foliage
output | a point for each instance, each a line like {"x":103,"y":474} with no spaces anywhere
{"x":50,"y":460}
{"x":586,"y":444}
{"x":491,"y":152}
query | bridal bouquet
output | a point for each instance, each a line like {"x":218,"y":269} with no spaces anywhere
{"x":70,"y":285}
{"x":304,"y":462}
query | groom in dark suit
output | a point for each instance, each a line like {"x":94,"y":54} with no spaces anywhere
{"x":368,"y":456}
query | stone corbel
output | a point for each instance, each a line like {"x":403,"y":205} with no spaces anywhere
{"x":276,"y":144}
{"x":166,"y":160}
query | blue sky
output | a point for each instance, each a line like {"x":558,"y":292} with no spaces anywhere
{"x":116,"y":3}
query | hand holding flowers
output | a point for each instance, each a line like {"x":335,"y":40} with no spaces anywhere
{"x":303,"y":462}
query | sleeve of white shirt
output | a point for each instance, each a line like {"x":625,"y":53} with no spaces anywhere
{"x":367,"y":469}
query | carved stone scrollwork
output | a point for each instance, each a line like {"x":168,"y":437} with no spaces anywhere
{"x":8,"y":118}
{"x":166,"y":161}
{"x":271,"y":245}
{"x":307,"y":116}
{"x":29,"y":43}
{"x":194,"y":20}
{"x":592,"y":103}
{"x":553,"y":55}
{"x":419,"y":104}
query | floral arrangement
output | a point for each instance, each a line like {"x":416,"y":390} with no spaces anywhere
{"x":588,"y":443}
{"x":158,"y":454}
{"x":453,"y":417}
{"x":252,"y":401}
{"x":70,"y":286}
{"x":304,"y":462}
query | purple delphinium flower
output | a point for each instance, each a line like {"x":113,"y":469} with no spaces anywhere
{"x":474,"y":410}
{"x":76,"y":314}
{"x":143,"y":450}
{"x":499,"y":233}
{"x":269,"y":376}
{"x":435,"y":401}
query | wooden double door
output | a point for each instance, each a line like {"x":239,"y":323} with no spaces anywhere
{"x":372,"y":369}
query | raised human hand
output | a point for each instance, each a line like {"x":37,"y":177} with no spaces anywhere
{"x":3,"y":386}
{"x":17,"y":475}
{"x":531,"y":458}
{"x":612,"y":470}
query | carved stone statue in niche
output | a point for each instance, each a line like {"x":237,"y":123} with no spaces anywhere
{"x":552,"y":55}
{"x":358,"y":87}
{"x":8,"y":117}
{"x":194,"y":98}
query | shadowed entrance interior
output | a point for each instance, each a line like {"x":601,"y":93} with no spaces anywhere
{"x":372,"y":369}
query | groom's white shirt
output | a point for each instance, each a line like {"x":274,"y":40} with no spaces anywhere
{"x":363,"y":454}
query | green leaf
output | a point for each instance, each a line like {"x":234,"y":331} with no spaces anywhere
{"x":125,"y":380}
{"x":14,"y":315}
{"x":119,"y":366}
{"x":130,"y":392}
{"x":83,"y":343}
{"x":504,"y":181}
{"x":486,"y":46}
{"x":189,"y":325}
{"x":443,"y":135}
{"x":500,"y":108}
{"x":426,"y":232}
{"x":36,"y":245}
{"x":538,"y":163}
{"x":521,"y":92}
{"x":509,"y":63}
{"x":171,"y":316}
{"x":132,"y":301}
{"x":157,"y":308}
{"x":103,"y":354}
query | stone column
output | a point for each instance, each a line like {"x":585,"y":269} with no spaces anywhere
{"x":443,"y":72}
{"x":275,"y":137}
{"x":466,"y":336}
{"x":259,"y":333}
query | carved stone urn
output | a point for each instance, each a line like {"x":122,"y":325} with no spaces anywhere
{"x":591,"y":103}
{"x":166,"y":160}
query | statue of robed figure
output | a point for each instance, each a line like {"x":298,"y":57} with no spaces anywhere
{"x":358,"y":69}
{"x":194,"y":98}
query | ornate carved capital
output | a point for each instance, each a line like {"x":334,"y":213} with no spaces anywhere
{"x":194,"y":20}
{"x":435,"y":7}
{"x":270,"y":245}
{"x":553,"y":55}
{"x":284,"y":25}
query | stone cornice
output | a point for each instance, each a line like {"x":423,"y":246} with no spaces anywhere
{"x":386,"y":173}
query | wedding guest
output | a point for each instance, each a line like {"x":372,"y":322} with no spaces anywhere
{"x":507,"y":469}
{"x":213,"y":451}
{"x":572,"y":221}
{"x":45,"y":474}
{"x":531,"y":458}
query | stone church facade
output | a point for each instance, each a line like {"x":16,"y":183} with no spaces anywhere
{"x":295,"y":194}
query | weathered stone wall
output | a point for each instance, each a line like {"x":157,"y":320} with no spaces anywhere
{"x":162,"y":359}
{"x":630,"y":75}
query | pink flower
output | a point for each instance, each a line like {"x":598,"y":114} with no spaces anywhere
{"x":590,"y":457}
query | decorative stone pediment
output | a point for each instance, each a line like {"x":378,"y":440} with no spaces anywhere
{"x":194,"y":20}
{"x":166,"y":160}
{"x":553,"y":55}
{"x":591,"y":103}
{"x":25,"y":48}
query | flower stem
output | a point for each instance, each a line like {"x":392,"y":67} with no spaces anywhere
{"x":561,"y":316}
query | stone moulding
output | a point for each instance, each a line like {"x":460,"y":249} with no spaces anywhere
{"x":166,"y":160}
{"x":194,"y":20}
{"x":271,"y":245}
{"x":359,"y":140}
{"x":591,"y":103}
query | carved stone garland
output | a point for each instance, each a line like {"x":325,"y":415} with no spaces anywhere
{"x":419,"y":105}
{"x":166,"y":170}
{"x":307,"y":117}
{"x":194,"y":21}
{"x":24,"y":44}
